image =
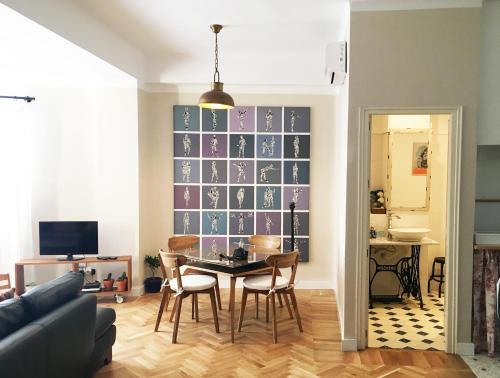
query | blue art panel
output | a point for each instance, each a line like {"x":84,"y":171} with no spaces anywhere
{"x":300,"y":223}
{"x":186,"y":118}
{"x":186,"y":171}
{"x":269,"y":119}
{"x":186,"y":145}
{"x":297,"y":120}
{"x":214,"y":121}
{"x":296,"y":147}
{"x":268,"y":146}
{"x":187,"y":222}
{"x":268,"y":198}
{"x":241,"y":146}
{"x":301,"y":245}
{"x":214,"y":222}
{"x":296,"y":172}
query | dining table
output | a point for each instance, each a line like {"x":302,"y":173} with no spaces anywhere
{"x":255,"y":264}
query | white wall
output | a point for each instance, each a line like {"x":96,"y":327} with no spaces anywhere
{"x":156,"y":182}
{"x":84,"y":137}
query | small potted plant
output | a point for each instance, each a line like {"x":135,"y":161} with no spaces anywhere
{"x":152,"y":284}
{"x":121,"y":282}
{"x":108,"y":283}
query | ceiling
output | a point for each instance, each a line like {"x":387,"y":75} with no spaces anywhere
{"x":279,"y":42}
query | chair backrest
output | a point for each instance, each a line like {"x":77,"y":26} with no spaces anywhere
{"x":4,"y":281}
{"x":172,"y":262}
{"x":181,"y":243}
{"x":265,"y":241}
{"x":283,"y":260}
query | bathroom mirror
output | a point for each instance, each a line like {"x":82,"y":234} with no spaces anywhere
{"x":408,"y":173}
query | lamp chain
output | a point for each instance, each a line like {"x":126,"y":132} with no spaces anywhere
{"x":216,"y":73}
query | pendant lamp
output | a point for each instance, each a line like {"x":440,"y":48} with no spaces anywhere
{"x":216,"y":98}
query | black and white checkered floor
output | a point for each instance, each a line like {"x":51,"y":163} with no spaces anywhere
{"x":407,"y":326}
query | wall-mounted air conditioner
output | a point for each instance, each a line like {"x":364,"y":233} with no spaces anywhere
{"x":336,"y":62}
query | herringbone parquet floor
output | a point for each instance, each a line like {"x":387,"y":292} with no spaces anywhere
{"x":140,"y":352}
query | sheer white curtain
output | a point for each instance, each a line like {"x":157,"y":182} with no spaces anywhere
{"x":15,"y":191}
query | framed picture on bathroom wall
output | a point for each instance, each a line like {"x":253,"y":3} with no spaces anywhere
{"x":420,"y":162}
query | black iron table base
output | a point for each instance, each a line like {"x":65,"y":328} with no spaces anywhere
{"x":407,"y":270}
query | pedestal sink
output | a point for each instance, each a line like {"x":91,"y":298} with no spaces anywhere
{"x":409,"y":233}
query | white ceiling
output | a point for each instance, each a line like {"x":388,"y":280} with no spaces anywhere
{"x":278,"y":42}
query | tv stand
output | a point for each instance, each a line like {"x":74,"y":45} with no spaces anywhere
{"x":127,"y":259}
{"x":70,"y":257}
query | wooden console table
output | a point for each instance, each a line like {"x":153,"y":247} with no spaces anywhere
{"x":20,"y":288}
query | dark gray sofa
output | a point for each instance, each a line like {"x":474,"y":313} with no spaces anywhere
{"x":53,"y":331}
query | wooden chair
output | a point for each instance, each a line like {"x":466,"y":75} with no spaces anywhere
{"x":268,"y":242}
{"x":182,"y":287}
{"x":5,"y":281}
{"x":179,"y":244}
{"x":272,"y":285}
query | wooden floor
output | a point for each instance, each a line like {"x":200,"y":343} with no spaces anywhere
{"x":140,"y":352}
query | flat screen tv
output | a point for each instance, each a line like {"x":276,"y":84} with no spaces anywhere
{"x":68,"y":238}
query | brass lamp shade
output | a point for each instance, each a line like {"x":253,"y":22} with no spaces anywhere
{"x":216,"y":98}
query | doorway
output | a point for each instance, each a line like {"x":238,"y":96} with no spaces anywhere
{"x":408,"y":196}
{"x":408,"y":280}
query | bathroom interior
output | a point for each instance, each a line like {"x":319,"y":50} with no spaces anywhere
{"x":408,"y":208}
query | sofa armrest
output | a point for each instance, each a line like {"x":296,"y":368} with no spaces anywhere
{"x":23,"y":353}
{"x":70,"y":331}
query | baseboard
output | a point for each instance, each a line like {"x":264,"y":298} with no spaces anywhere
{"x":349,"y":345}
{"x":465,"y":349}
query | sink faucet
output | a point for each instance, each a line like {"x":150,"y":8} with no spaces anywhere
{"x":390,"y":217}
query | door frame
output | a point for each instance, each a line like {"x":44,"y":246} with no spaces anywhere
{"x":452,"y":217}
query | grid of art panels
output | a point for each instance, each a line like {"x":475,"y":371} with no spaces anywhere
{"x":236,"y":172}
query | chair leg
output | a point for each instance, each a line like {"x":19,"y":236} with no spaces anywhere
{"x":280,"y":300}
{"x":441,"y":280}
{"x":168,"y":301}
{"x":164,"y":299}
{"x":178,"y":302}
{"x":193,"y":299}
{"x":287,"y":302}
{"x":430,"y":278}
{"x":214,"y":310}
{"x":256,"y":305}
{"x":273,"y":307}
{"x":196,"y":307}
{"x":217,"y":293}
{"x":174,"y":310}
{"x":296,"y":309}
{"x":267,"y":309}
{"x":242,"y":309}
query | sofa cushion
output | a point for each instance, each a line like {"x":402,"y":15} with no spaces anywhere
{"x":105,"y":318}
{"x":48,"y":296}
{"x":12,"y":316}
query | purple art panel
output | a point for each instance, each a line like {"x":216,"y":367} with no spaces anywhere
{"x":242,"y":119}
{"x":268,"y":223}
{"x":186,"y":197}
{"x":214,"y":145}
{"x":211,"y":247}
{"x":297,"y":194}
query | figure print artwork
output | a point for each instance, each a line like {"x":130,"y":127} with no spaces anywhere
{"x":236,"y":172}
{"x":420,"y":159}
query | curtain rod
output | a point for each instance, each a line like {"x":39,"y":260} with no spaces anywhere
{"x":28,"y":99}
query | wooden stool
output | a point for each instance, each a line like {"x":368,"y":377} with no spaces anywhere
{"x":437,"y":277}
